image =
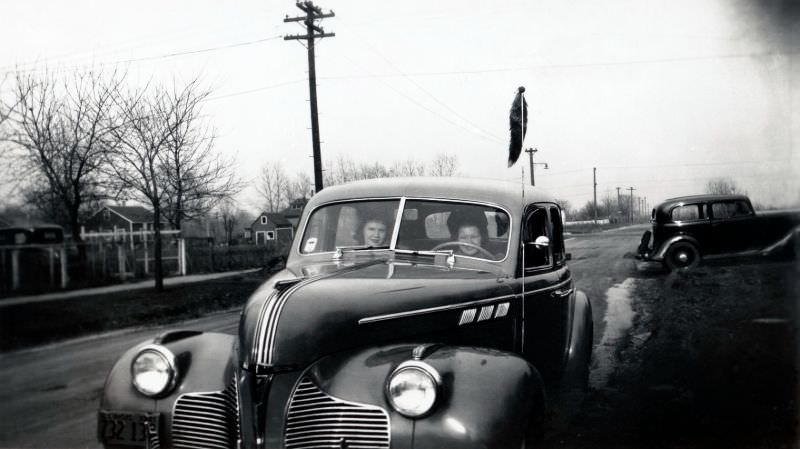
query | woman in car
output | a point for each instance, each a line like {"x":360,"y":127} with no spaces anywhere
{"x":470,"y":228}
{"x":373,"y":232}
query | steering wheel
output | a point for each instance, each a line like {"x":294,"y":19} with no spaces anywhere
{"x":480,"y":249}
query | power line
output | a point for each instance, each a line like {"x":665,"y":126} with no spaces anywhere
{"x":163,"y":56}
{"x":574,"y":65}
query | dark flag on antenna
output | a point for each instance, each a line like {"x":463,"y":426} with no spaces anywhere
{"x":518,"y":122}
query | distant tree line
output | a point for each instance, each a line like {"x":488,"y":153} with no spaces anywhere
{"x":73,"y":140}
{"x":277,"y":189}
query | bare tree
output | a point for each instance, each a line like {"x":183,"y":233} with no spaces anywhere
{"x":444,"y":164}
{"x":62,"y":130}
{"x":136,"y":163}
{"x":298,"y":187}
{"x":409,"y":167}
{"x":565,"y":205}
{"x":197,"y":178}
{"x":230,"y":217}
{"x":271,"y":185}
{"x":608,"y":205}
{"x":722,"y":186}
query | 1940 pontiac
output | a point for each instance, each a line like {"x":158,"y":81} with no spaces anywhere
{"x":412,"y":313}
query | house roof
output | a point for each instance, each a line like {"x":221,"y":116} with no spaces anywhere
{"x":278,"y":218}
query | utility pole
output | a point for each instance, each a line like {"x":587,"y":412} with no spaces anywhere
{"x":619,"y":204}
{"x":530,"y":152}
{"x":313,"y":13}
{"x":630,"y":212}
{"x":594,"y":181}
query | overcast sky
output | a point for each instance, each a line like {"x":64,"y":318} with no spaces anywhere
{"x":658,"y":95}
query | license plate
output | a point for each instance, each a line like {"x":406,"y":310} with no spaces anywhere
{"x":127,"y":428}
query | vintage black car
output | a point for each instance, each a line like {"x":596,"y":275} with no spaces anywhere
{"x":424,"y":313}
{"x":687,"y":229}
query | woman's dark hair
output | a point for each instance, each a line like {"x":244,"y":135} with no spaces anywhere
{"x":468,"y":217}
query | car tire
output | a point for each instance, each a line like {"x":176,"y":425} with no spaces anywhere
{"x":682,"y":256}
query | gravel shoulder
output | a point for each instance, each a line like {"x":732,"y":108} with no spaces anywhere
{"x":710,"y":361}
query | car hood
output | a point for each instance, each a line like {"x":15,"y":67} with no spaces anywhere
{"x":293,"y":322}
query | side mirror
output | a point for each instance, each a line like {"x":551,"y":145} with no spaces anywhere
{"x":568,"y":256}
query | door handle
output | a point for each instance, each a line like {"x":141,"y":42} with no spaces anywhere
{"x":561,"y":293}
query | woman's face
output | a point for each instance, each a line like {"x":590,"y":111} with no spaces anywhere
{"x":374,"y":233}
{"x":469,"y":234}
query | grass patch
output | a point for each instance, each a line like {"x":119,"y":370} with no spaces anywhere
{"x":715,"y":359}
{"x":27,"y":325}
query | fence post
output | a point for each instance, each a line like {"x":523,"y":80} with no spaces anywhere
{"x":64,"y":275}
{"x":51,"y":265}
{"x":14,"y":269}
{"x":121,"y":259}
{"x":146,"y":255}
{"x":182,"y":256}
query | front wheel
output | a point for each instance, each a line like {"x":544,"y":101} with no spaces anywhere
{"x":682,"y":256}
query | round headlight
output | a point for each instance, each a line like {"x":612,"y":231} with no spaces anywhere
{"x":153,"y":370}
{"x":412,"y":388}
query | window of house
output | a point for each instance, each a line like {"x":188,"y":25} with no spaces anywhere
{"x":106,"y":214}
{"x":270,"y":235}
{"x":686,"y":213}
{"x":263,"y":220}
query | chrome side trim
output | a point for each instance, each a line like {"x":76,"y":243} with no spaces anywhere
{"x":467,"y":316}
{"x":502,"y":310}
{"x":391,"y":316}
{"x":461,"y":305}
{"x":486,"y":313}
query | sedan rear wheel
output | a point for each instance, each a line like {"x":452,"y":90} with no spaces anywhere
{"x":682,"y":256}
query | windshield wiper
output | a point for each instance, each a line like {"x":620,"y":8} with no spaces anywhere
{"x":451,"y":257}
{"x":340,"y":250}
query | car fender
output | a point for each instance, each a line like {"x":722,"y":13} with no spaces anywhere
{"x":489,"y":398}
{"x":662,"y":250}
{"x":205,"y":364}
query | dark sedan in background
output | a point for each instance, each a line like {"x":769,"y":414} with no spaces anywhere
{"x":687,"y":229}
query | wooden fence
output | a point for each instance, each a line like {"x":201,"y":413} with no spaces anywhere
{"x":107,"y":258}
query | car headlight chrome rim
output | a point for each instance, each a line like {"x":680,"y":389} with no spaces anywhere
{"x":413,"y":388}
{"x":153,"y":370}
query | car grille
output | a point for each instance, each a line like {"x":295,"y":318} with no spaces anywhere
{"x":207,"y":420}
{"x":316,"y":420}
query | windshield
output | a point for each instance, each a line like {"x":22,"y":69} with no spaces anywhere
{"x":466,"y":229}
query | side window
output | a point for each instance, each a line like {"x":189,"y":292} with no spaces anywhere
{"x":686,"y":213}
{"x":741,"y":209}
{"x":536,"y":225}
{"x":731,"y":209}
{"x":720,"y":210}
{"x":557,"y":238}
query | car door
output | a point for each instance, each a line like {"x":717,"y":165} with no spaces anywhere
{"x":731,"y":227}
{"x":547,"y":290}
